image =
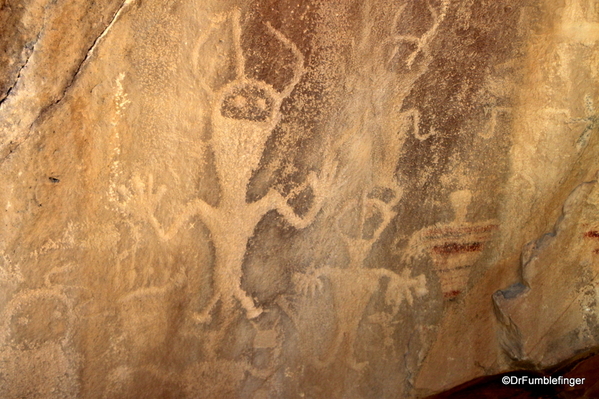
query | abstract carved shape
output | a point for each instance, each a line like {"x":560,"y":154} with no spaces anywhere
{"x":418,"y":49}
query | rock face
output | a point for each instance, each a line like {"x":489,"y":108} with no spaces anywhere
{"x":294,"y":199}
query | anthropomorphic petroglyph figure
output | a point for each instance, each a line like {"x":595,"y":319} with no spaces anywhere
{"x":245,"y":112}
{"x":453,"y":247}
{"x":352,"y":290}
{"x":352,"y":287}
{"x":37,"y":358}
{"x":361,"y":222}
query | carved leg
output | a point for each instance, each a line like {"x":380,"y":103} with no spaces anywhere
{"x":204,"y":316}
{"x":247,"y":304}
{"x":332,"y":352}
{"x":352,"y":362}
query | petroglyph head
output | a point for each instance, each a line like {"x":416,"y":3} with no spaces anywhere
{"x":246,"y":111}
{"x":460,"y":200}
{"x":38,"y":317}
{"x":248,"y":101}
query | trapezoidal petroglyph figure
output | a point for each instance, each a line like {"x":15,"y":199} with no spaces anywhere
{"x":244,"y":114}
{"x":453,"y":247}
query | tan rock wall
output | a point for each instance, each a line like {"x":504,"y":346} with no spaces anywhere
{"x":280,"y":199}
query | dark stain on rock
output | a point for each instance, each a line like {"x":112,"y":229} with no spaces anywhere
{"x":584,"y":365}
{"x":13,"y":39}
{"x":451,"y":294}
{"x":474,"y":39}
{"x":456,"y":248}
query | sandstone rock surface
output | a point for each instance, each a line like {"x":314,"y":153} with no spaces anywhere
{"x":294,"y":199}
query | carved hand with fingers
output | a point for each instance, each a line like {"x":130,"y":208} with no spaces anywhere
{"x":141,"y":203}
{"x":144,"y":201}
{"x":401,"y":286}
{"x":308,"y":283}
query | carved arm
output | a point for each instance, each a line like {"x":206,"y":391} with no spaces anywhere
{"x":276,"y":201}
{"x":195,"y":207}
{"x":143,"y":202}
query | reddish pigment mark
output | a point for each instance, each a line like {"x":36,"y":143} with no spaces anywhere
{"x":456,"y":248}
{"x":592,"y":234}
{"x":459,"y":232}
{"x":451,"y":294}
{"x":596,"y":251}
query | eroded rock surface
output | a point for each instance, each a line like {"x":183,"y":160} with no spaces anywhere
{"x":294,"y":199}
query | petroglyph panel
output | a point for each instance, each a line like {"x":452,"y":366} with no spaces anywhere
{"x":293,"y":199}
